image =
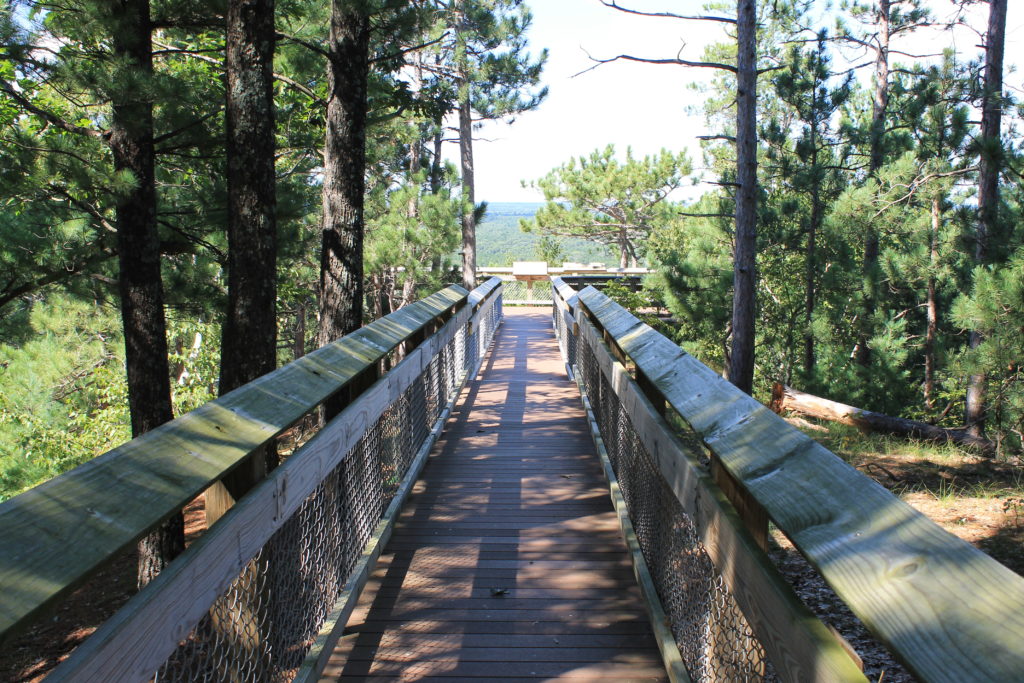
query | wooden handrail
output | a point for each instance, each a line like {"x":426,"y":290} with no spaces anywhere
{"x":56,"y":535}
{"x":947,"y":610}
{"x":796,"y":642}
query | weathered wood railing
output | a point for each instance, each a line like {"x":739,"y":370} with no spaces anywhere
{"x":945,"y":609}
{"x":265,"y":591}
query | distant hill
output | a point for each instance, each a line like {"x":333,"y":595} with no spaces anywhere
{"x":499,"y":241}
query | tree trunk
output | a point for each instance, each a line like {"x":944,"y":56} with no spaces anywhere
{"x":932,"y":330}
{"x":784,"y":398}
{"x":341,"y":259}
{"x":299,"y":340}
{"x":436,"y":163}
{"x":811,"y":274}
{"x":876,"y":156}
{"x":741,"y":366}
{"x":990,"y":166}
{"x":141,"y":289}
{"x":249,"y":335}
{"x":468,"y":191}
{"x":249,"y":341}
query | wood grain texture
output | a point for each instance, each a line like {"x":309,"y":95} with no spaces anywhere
{"x":139,"y":637}
{"x":799,"y":646}
{"x":57,"y":534}
{"x":949,"y":611}
{"x":507,"y":561}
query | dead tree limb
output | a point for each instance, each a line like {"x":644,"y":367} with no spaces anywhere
{"x":788,"y":399}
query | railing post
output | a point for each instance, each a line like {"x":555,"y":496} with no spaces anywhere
{"x":750,"y":511}
{"x":651,"y":392}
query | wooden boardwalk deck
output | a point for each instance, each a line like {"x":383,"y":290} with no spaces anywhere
{"x":507,"y":562}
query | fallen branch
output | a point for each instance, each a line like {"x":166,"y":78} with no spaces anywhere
{"x":786,"y":398}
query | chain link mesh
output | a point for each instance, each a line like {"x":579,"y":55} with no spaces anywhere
{"x":713,"y":637}
{"x":520,"y":292}
{"x":263,"y":626}
{"x":566,"y":339}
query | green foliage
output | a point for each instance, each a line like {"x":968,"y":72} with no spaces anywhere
{"x":500,"y":241}
{"x":63,"y":395}
{"x":611,"y":202}
{"x":995,"y":309}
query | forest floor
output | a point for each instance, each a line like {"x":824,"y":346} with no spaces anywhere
{"x":977,"y":499}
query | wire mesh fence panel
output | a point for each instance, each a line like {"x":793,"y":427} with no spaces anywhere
{"x":538,"y":292}
{"x":262,"y":627}
{"x":714,"y":639}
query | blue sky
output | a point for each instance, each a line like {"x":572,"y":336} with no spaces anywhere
{"x":628,"y":104}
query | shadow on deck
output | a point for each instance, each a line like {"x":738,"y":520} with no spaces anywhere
{"x":507,"y":561}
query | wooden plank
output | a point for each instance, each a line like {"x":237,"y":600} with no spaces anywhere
{"x":660,"y":623}
{"x":949,"y":611}
{"x":317,"y":657}
{"x":133,"y":643}
{"x":55,"y":535}
{"x":800,"y":646}
{"x":542,"y":534}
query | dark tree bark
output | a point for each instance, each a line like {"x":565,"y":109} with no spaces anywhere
{"x":249,"y":335}
{"x":990,"y":166}
{"x":932,"y":330}
{"x":741,"y":361}
{"x":138,"y":243}
{"x":249,"y":342}
{"x":811,"y":272}
{"x":341,"y":259}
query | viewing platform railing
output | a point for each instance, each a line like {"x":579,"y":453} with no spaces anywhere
{"x":264,"y":593}
{"x":948,"y":611}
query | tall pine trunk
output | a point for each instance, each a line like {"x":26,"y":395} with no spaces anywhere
{"x":468,"y":192}
{"x":811,"y":274}
{"x":141,"y":289}
{"x":249,"y":335}
{"x":741,"y":361}
{"x":466,"y":156}
{"x":990,"y":166}
{"x":876,"y":156}
{"x":341,"y":256}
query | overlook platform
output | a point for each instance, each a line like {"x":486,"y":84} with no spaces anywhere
{"x":507,"y":560}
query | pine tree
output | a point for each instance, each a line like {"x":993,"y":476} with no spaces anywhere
{"x":990,"y":145}
{"x":804,"y":85}
{"x":612,"y":202}
{"x":496,"y":78}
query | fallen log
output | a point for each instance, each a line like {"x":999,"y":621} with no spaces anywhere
{"x":788,"y":399}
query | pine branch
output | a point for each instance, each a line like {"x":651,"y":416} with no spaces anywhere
{"x":614,"y":5}
{"x":677,"y":60}
{"x":48,"y":116}
{"x":280,"y":77}
{"x":174,"y":133}
{"x":304,"y":43}
{"x":10,"y":293}
{"x":405,"y":51}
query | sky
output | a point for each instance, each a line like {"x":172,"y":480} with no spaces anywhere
{"x":647,"y":107}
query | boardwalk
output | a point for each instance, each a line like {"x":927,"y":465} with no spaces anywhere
{"x":507,"y":561}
